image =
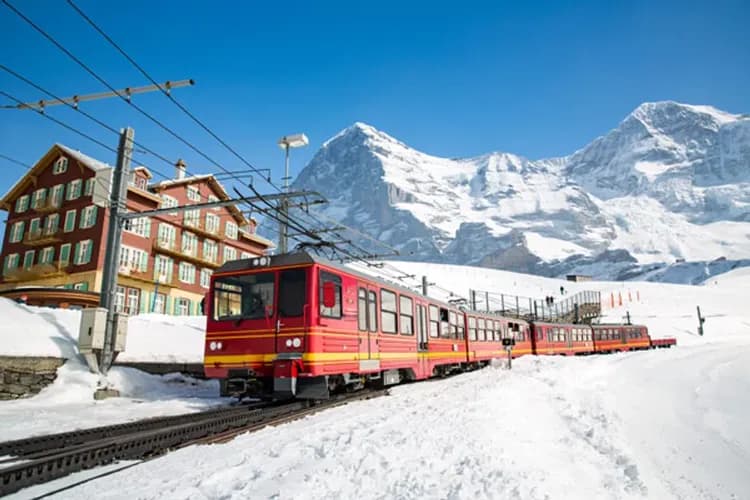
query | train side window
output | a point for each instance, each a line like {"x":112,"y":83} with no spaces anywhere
{"x":388,"y":311}
{"x":472,"y":328}
{"x":407,"y":315}
{"x":292,"y":292}
{"x":372,"y":311}
{"x":445,"y":326}
{"x":453,"y":324}
{"x":498,"y":330}
{"x":362,"y":309}
{"x":434,"y":322}
{"x":481,"y":332}
{"x":335,"y":310}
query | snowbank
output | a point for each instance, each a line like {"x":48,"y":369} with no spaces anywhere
{"x":165,"y":339}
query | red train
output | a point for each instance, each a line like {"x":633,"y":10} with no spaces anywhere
{"x":297,"y":325}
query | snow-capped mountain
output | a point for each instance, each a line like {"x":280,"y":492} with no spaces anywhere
{"x":671,"y":182}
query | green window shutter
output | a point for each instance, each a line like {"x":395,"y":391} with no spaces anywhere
{"x":94,"y":214}
{"x":69,"y":191}
{"x":89,"y":190}
{"x":82,"y":220}
{"x":143,"y":264}
{"x":34,"y":226}
{"x":77,"y":192}
{"x":70,"y":221}
{"x":89,"y":251}
{"x":75,"y":253}
{"x":167,"y":304}
{"x":144,"y":302}
{"x":7,"y":262}
{"x":147,"y":226}
{"x":65,"y":253}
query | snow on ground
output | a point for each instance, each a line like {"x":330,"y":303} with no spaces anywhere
{"x":657,"y":424}
{"x":165,"y":339}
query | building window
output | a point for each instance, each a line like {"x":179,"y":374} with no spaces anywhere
{"x":74,"y":190}
{"x":22,"y":204}
{"x":168,"y":202}
{"x":70,"y":220}
{"x":166,"y":235}
{"x":231,"y":230}
{"x":65,"y":254}
{"x":140,"y":226}
{"x":141,"y":183}
{"x":61,"y":166}
{"x":189,"y":244}
{"x":16,"y":231}
{"x":83,"y":252}
{"x":193,"y":194}
{"x":187,"y":273}
{"x":159,"y":300}
{"x":192,"y":218}
{"x":213,"y":199}
{"x":47,"y":256}
{"x":205,"y":278}
{"x":56,"y":196}
{"x":246,"y":255}
{"x":28,"y":259}
{"x":38,"y":198}
{"x":182,"y":306}
{"x":230,"y":253}
{"x":52,"y":224}
{"x":88,"y":217}
{"x":34,"y":231}
{"x":88,"y":189}
{"x":11,"y":262}
{"x":120,"y":299}
{"x":133,"y":301}
{"x":133,"y":259}
{"x":162,"y":269}
{"x":210,"y":250}
{"x":212,"y":223}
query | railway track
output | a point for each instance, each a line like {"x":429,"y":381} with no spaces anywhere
{"x":47,"y":458}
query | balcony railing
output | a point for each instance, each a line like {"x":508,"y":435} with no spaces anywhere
{"x":169,"y":248}
{"x":199,"y":227}
{"x":37,"y":271}
{"x":43,"y":236}
{"x":48,"y":205}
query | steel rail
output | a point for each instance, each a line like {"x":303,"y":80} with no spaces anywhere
{"x":145,"y":444}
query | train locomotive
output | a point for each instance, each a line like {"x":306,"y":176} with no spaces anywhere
{"x":299,"y":326}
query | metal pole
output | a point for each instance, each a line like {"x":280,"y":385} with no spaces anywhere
{"x":424,"y":285}
{"x":114,"y":235}
{"x":487,"y":301}
{"x":283,"y":205}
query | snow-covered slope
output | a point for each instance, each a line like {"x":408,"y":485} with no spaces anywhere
{"x":672,"y":181}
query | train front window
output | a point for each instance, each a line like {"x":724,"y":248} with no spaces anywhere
{"x":292,"y":288}
{"x":249,"y":296}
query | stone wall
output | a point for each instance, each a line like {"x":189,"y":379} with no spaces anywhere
{"x":26,"y":376}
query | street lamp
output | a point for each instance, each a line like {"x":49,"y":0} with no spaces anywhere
{"x":285,"y":143}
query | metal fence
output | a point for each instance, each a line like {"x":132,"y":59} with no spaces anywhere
{"x":580,"y":307}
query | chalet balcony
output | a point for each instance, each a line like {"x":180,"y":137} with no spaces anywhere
{"x":40,"y":237}
{"x":47,"y":206}
{"x":37,"y":271}
{"x":199,"y":228}
{"x":171,"y":249}
{"x":147,"y":277}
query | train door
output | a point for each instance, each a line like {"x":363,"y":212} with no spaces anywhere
{"x":422,"y":337}
{"x":292,"y":311}
{"x":624,"y":335}
{"x":367,"y":325}
{"x":569,"y":337}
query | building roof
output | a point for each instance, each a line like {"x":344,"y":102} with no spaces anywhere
{"x":56,"y":150}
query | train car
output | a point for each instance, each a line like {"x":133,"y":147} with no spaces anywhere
{"x":297,"y":325}
{"x":611,"y":338}
{"x":560,"y":338}
{"x":486,"y":332}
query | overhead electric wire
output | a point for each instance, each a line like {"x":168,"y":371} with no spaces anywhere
{"x":167,"y":94}
{"x":17,"y":162}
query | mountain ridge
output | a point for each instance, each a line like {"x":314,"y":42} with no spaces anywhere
{"x":667,"y":177}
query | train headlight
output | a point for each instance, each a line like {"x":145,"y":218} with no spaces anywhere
{"x":296,"y":342}
{"x":255,"y":262}
{"x":212,"y":346}
{"x":264,"y":261}
{"x":289,"y":342}
{"x":219,"y":346}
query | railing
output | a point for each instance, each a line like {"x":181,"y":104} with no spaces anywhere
{"x":47,"y":270}
{"x":169,"y":248}
{"x":199,"y":227}
{"x":42,"y":236}
{"x":48,"y":205}
{"x":580,"y":307}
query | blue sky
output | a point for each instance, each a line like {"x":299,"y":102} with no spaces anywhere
{"x":538,"y":79}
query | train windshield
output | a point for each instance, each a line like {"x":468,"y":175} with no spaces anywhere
{"x":248,"y":296}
